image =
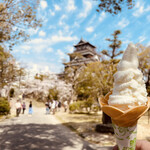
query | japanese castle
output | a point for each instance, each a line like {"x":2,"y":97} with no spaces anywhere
{"x":86,"y":54}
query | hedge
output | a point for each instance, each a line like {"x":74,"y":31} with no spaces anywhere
{"x":4,"y":106}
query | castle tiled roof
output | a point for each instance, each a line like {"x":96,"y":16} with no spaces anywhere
{"x":82,"y":42}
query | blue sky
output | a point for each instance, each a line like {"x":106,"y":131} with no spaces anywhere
{"x":66,"y":21}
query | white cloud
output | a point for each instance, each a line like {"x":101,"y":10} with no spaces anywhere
{"x":42,"y":33}
{"x":61,"y":54}
{"x":38,"y":45}
{"x":39,"y":68}
{"x":26,"y":47}
{"x":123,"y":23}
{"x":63,"y":17}
{"x":92,"y":20}
{"x":61,"y":21}
{"x":70,"y":5}
{"x":89,"y":29}
{"x":37,"y":41}
{"x":57,"y":7}
{"x":148,"y":44}
{"x":102,"y":16}
{"x":140,"y":9}
{"x":52,"y":13}
{"x":61,"y":38}
{"x":53,"y":39}
{"x":43,"y":15}
{"x":32,"y":31}
{"x":43,"y":4}
{"x":35,"y":68}
{"x":87,"y":6}
{"x":141,"y":38}
{"x":66,"y":29}
{"x":50,"y":50}
{"x":126,"y":42}
{"x":69,"y":48}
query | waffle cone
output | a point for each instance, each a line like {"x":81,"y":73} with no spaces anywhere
{"x":127,"y":118}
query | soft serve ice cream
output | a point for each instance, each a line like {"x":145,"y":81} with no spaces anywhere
{"x":129,"y":88}
{"x":128,"y":100}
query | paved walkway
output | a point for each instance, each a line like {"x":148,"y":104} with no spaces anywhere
{"x":39,"y":132}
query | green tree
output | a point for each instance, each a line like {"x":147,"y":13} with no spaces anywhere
{"x":16,"y":16}
{"x":114,"y":6}
{"x":114,"y":46}
{"x":9,"y":71}
{"x":5,"y":74}
{"x":144,"y":63}
{"x":4,"y":106}
{"x":53,"y":94}
{"x":94,"y":80}
{"x":41,"y":77}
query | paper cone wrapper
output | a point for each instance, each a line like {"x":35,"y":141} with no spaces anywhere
{"x":125,"y":137}
{"x":127,"y":118}
{"x":124,"y":122}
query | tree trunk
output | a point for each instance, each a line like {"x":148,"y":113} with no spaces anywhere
{"x":106,"y":119}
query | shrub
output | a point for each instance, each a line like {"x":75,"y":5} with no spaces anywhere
{"x":76,"y":106}
{"x":11,"y":92}
{"x":81,"y":106}
{"x":95,"y":108}
{"x":53,"y":94}
{"x":4,"y":106}
{"x":89,"y":102}
{"x":72,"y":107}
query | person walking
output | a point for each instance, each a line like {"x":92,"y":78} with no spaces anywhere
{"x":56,"y":106}
{"x":18,"y":108}
{"x":30,"y":108}
{"x":23,"y":96}
{"x":23,"y":107}
{"x":49,"y":104}
{"x":53,"y":106}
{"x":47,"y":107}
{"x":65,"y":106}
{"x":59,"y":105}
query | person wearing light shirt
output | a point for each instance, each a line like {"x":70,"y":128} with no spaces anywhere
{"x":18,"y":108}
{"x":53,"y":106}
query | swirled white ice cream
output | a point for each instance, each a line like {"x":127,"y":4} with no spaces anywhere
{"x":129,"y":88}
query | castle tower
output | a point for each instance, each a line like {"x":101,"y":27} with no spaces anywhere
{"x":84,"y":53}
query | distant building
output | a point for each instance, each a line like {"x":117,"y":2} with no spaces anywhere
{"x":84,"y":53}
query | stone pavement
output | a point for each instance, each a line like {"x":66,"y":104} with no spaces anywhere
{"x":40,"y":132}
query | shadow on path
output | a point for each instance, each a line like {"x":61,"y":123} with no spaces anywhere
{"x":38,"y":137}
